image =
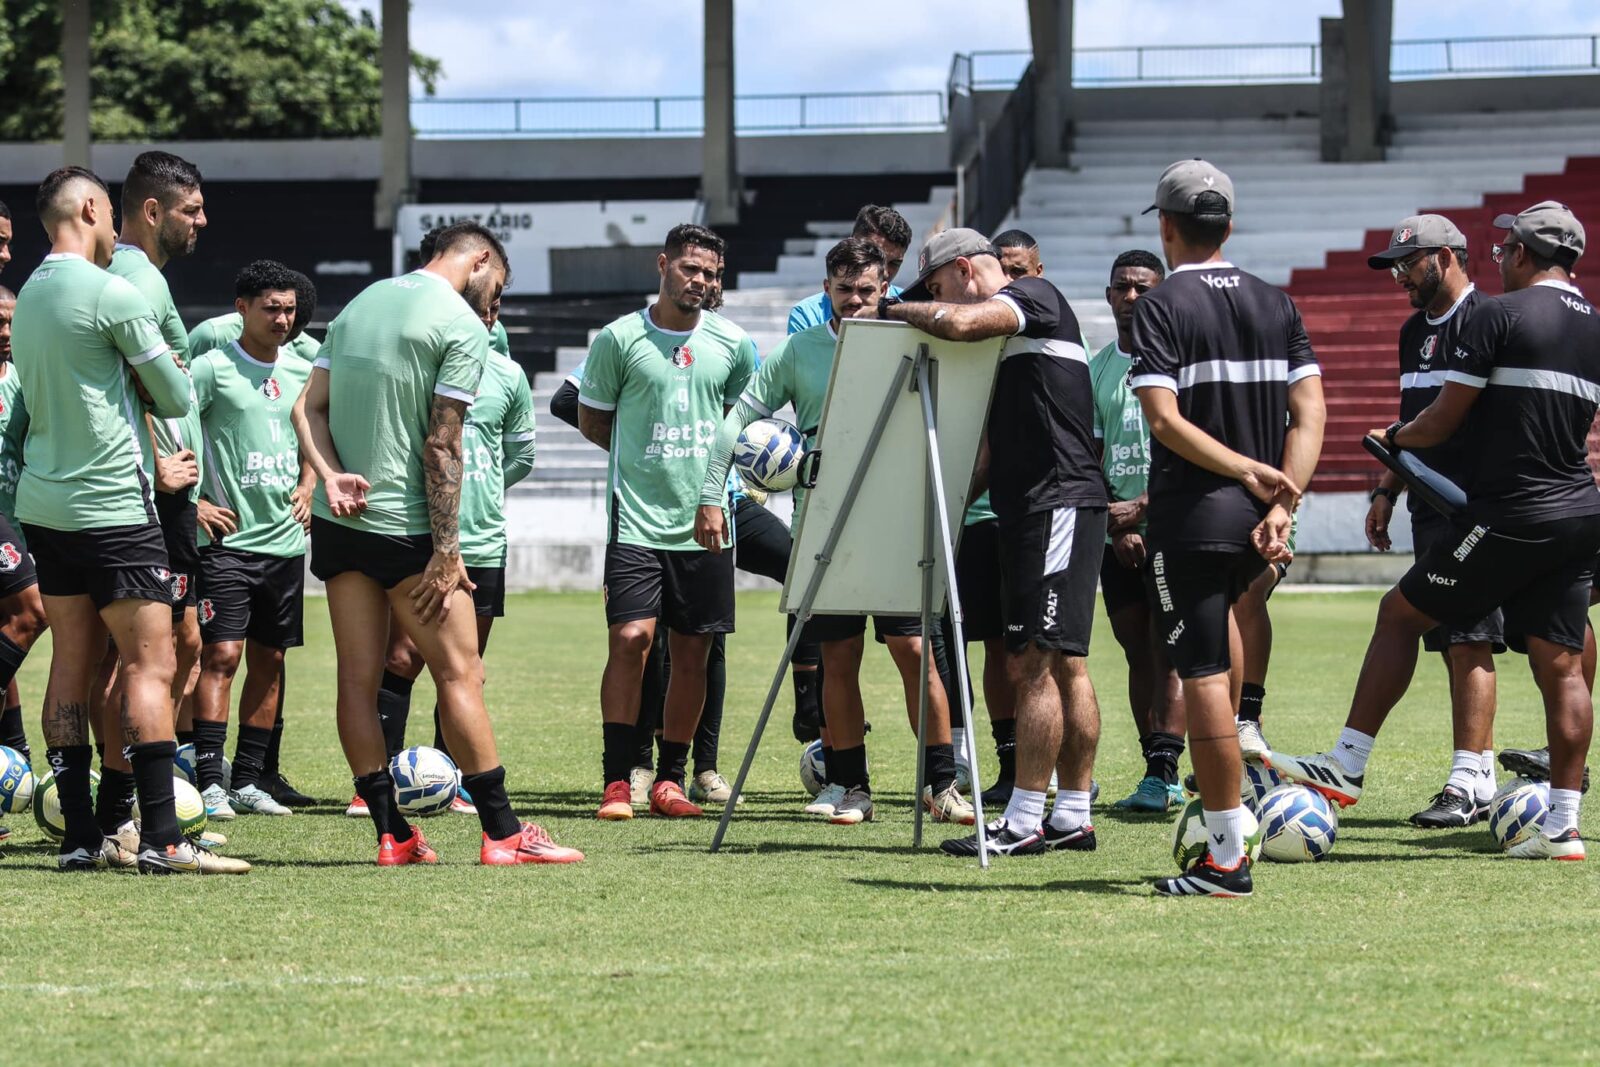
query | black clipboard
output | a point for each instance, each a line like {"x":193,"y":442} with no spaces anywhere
{"x":1433,"y":488}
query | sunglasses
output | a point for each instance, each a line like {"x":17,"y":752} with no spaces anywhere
{"x":1403,"y":267}
{"x":1499,"y":252}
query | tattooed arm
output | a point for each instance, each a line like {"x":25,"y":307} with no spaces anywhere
{"x":442,"y":469}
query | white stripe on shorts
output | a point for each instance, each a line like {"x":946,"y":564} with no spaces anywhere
{"x":1058,"y":552}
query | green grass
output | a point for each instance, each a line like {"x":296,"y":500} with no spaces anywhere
{"x":804,"y":940}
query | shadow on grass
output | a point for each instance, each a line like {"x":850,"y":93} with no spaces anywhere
{"x":770,"y":848}
{"x":1109,"y":886}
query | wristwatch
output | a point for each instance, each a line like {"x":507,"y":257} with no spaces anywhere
{"x":886,"y":303}
{"x":1393,"y":495}
{"x":1388,"y":435}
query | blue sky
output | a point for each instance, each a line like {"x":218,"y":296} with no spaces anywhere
{"x":632,"y":47}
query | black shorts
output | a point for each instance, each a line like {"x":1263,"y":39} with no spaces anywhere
{"x":978,"y":582}
{"x":251,"y":595}
{"x":1428,"y":529}
{"x":387,"y":559}
{"x":821,"y":628}
{"x":761,"y":541}
{"x":1539,"y":576}
{"x":1190,"y":592}
{"x":1120,"y":587}
{"x":690,"y":590}
{"x":177,"y":515}
{"x":108,"y":564}
{"x":16,"y":565}
{"x":489,"y":598}
{"x":1049,"y":562}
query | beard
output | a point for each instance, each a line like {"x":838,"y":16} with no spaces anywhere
{"x":1428,"y":288}
{"x":177,"y":240}
{"x":478,"y":294}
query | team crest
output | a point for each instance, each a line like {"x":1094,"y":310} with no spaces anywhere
{"x":682,"y":356}
{"x":208,"y":611}
{"x":1405,"y":235}
{"x":10,"y":557}
{"x":270,"y":390}
{"x":2,"y":407}
{"x":1428,"y":346}
{"x":180,"y":586}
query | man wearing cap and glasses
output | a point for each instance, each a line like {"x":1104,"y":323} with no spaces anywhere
{"x":1524,"y":378}
{"x":1233,"y":397}
{"x":1050,"y":501}
{"x":1427,"y":256}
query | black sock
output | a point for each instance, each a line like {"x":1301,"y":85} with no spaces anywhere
{"x":1005,"y":747}
{"x":12,"y":735}
{"x":377,"y":789}
{"x":438,"y":734}
{"x":250,"y":755}
{"x":11,"y":657}
{"x":269,"y":767}
{"x":394,"y":708}
{"x":848,"y":767}
{"x":670,"y":764}
{"x":185,"y":737}
{"x":827,"y":764}
{"x":100,"y":751}
{"x":152,"y":770}
{"x":71,"y":765}
{"x":1161,"y":752}
{"x":1250,"y":698}
{"x":617,"y":758}
{"x":210,"y":738}
{"x":113,"y":801}
{"x":807,"y":699}
{"x":708,"y":733}
{"x":940,"y":765}
{"x":488,"y":789}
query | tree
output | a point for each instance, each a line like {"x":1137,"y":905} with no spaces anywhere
{"x":200,"y":69}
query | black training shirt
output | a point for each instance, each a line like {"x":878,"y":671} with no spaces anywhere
{"x":1425,"y":347}
{"x":1041,"y":422}
{"x":1229,"y":345}
{"x":1535,"y":354}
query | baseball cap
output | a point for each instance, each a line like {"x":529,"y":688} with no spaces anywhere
{"x":1183,"y":182}
{"x":945,"y":247}
{"x":1548,"y":228}
{"x":1414,"y":232}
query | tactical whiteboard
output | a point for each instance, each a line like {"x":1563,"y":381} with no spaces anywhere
{"x":874,"y":565}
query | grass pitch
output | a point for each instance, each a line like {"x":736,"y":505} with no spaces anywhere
{"x":804,"y":940}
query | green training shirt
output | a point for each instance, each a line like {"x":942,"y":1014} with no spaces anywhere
{"x":497,"y":447}
{"x":216,"y":333}
{"x":498,"y":339}
{"x":668,"y":390}
{"x":394,"y":347}
{"x":1119,"y":425}
{"x":13,"y":428}
{"x":76,"y":332}
{"x":252,"y":455}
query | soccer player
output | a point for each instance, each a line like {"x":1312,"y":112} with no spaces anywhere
{"x":1046,"y":489}
{"x":1233,"y":397}
{"x":1427,"y":257}
{"x":22,"y":618}
{"x":381,"y":422}
{"x":1524,"y":379}
{"x":1019,"y":254}
{"x":797,"y":372}
{"x":1154,"y":693}
{"x":215,"y":334}
{"x":87,"y":511}
{"x":163,"y":212}
{"x":884,"y":227}
{"x":252,"y":570}
{"x":656,"y":385}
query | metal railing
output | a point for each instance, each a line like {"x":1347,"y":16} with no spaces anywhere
{"x":681,"y":115}
{"x":1469,"y":56}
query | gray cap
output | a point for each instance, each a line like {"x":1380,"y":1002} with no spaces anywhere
{"x":1184,"y":181}
{"x":1416,"y":232}
{"x":1548,"y":228}
{"x":945,"y":247}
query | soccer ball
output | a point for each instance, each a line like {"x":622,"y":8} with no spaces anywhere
{"x":16,"y":781}
{"x":1189,"y":842}
{"x":1257,"y":781}
{"x":186,"y":799}
{"x":813,"y":773}
{"x":425,"y":781}
{"x":1517,"y":812}
{"x":183,"y":761}
{"x":47,"y":805}
{"x":1297,"y":825}
{"x":768,"y":453}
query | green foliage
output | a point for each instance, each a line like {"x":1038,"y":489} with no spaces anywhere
{"x":201,"y":69}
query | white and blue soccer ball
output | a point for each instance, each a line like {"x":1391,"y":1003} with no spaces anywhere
{"x":1189,"y":840}
{"x":16,"y":781}
{"x":425,"y":780}
{"x":1255,"y":783}
{"x":768,"y":454}
{"x":1298,"y":825}
{"x":813,"y":771}
{"x":183,"y":762}
{"x":1517,"y":812}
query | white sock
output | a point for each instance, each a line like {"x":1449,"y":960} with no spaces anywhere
{"x":1228,"y":828}
{"x":1353,"y":751}
{"x":1071,"y":810}
{"x":1465,"y":769}
{"x":1025,"y":813}
{"x":1487,"y":785}
{"x":1563,"y":814}
{"x":958,"y":741}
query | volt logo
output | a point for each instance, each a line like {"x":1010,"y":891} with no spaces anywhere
{"x":1439,"y":579}
{"x":1221,"y":281}
{"x":1577,"y":305}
